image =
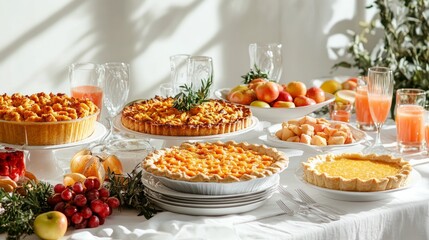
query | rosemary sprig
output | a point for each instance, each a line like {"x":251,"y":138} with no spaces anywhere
{"x":188,"y":98}
{"x":18,"y":210}
{"x":253,"y":75}
{"x":130,"y":191}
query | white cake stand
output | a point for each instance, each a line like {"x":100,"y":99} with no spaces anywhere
{"x":41,"y":159}
{"x":169,"y":141}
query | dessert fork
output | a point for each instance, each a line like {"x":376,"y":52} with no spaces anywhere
{"x":307,"y":207}
{"x":309,"y":200}
{"x":290,"y":212}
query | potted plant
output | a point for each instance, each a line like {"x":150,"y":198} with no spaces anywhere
{"x":404,"y":47}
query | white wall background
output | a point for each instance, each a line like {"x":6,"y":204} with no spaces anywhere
{"x":39,"y":39}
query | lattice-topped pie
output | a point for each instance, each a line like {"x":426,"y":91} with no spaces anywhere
{"x":158,"y":116}
{"x":356,"y":172}
{"x":215,"y":162}
{"x":45,"y":119}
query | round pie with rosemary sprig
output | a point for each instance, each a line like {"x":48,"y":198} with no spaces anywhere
{"x":219,"y":162}
{"x":356,"y":172}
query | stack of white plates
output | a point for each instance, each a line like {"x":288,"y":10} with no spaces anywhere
{"x":200,"y":204}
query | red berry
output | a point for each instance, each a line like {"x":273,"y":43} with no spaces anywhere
{"x":70,"y":210}
{"x":80,"y":200}
{"x":97,"y":205}
{"x":53,"y":200}
{"x":67,"y":194}
{"x":101,"y":220}
{"x":92,"y":195}
{"x":60,"y":206}
{"x":97,"y":183}
{"x":77,"y":218}
{"x":113,"y":202}
{"x":104,"y":192}
{"x":86,"y":212}
{"x":78,"y":187}
{"x":105,"y":211}
{"x":82,"y":224}
{"x":93,"y":221}
{"x":59,"y":188}
{"x":89,"y":183}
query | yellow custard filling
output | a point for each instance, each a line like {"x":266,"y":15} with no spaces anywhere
{"x":363,"y":169}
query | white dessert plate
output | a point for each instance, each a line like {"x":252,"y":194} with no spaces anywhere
{"x":278,"y":115}
{"x":209,"y":211}
{"x":155,"y":185}
{"x":272,"y":140}
{"x":413,"y":179}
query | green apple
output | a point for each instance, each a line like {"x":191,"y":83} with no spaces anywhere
{"x":258,"y":103}
{"x":50,"y":225}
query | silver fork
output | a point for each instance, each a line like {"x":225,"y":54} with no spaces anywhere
{"x":307,"y":207}
{"x":309,"y":200}
{"x":290,"y":212}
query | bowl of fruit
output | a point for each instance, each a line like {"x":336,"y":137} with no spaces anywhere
{"x":275,"y":102}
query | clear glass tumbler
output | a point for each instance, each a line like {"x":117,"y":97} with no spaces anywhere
{"x":86,"y":81}
{"x":179,"y":71}
{"x":267,"y":57}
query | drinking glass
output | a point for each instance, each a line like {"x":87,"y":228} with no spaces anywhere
{"x":199,"y":68}
{"x":363,"y":115}
{"x":86,"y":81}
{"x":340,"y":111}
{"x":116,"y":88}
{"x":380,"y":90}
{"x":410,"y":119}
{"x":268,"y":58}
{"x":179,"y":71}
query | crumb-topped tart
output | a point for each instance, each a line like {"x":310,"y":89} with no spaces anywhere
{"x":215,"y":162}
{"x":45,"y":119}
{"x":356,"y":172}
{"x":158,"y":116}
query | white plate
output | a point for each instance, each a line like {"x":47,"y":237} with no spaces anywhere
{"x":209,"y":211}
{"x":118,"y":125}
{"x":272,"y":140}
{"x":155,"y":185}
{"x":413,"y":179}
{"x":277,"y":115}
{"x":158,"y":198}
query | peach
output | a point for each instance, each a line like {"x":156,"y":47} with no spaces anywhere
{"x":283,"y":104}
{"x":350,"y":84}
{"x":267,"y":92}
{"x":316,"y":93}
{"x":242,"y":96}
{"x":256,"y":82}
{"x":296,"y":89}
{"x":284,"y":96}
{"x":301,"y":101}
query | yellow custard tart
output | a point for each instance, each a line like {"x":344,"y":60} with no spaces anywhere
{"x":356,"y":172}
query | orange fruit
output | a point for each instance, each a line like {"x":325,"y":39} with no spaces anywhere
{"x":70,"y":178}
{"x":331,"y":86}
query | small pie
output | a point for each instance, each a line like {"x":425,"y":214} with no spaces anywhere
{"x":157,"y":116}
{"x":45,"y":119}
{"x":356,"y":172}
{"x":215,"y":162}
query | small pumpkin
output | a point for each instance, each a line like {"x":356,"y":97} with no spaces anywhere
{"x":86,"y":163}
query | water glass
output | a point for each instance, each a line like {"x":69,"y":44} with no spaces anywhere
{"x":86,"y":81}
{"x":116,"y":86}
{"x":268,"y":58}
{"x":179,"y":71}
{"x":363,"y":116}
{"x":410,"y":119}
{"x":200,"y":68}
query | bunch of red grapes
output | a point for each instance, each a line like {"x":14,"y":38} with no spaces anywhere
{"x":85,"y":205}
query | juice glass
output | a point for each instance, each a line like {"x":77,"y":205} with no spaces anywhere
{"x":86,"y":81}
{"x":340,"y":111}
{"x":410,"y":119}
{"x":363,"y":114}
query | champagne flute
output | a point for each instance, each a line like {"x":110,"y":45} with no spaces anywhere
{"x":380,"y":91}
{"x":116,"y":89}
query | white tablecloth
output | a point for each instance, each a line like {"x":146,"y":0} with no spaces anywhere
{"x":405,"y":215}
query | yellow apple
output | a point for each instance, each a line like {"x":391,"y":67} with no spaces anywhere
{"x":50,"y":225}
{"x":258,"y":103}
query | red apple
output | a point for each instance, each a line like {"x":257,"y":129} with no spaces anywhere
{"x":256,"y":82}
{"x":50,"y":225}
{"x":283,"y":104}
{"x":242,"y":96}
{"x":316,"y":93}
{"x":284,"y":96}
{"x":258,"y":103}
{"x":301,"y":101}
{"x":296,"y":89}
{"x":267,"y":92}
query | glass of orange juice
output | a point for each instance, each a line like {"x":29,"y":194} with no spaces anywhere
{"x":363,"y":115}
{"x":410,"y":119}
{"x":86,"y":81}
{"x":340,"y":111}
